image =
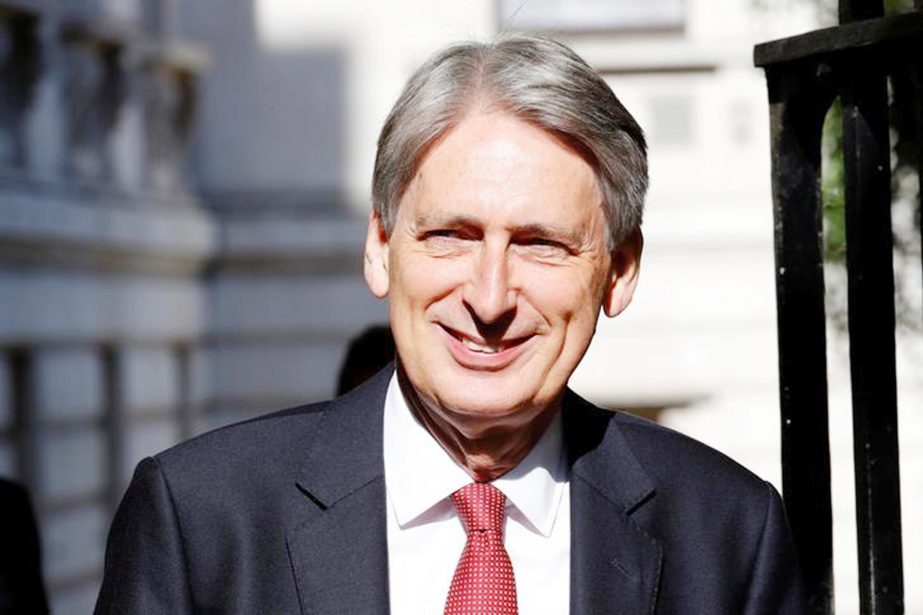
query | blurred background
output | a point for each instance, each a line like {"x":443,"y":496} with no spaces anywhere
{"x":183,"y":192}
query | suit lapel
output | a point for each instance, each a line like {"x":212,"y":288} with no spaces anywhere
{"x":615,"y":564}
{"x":339,"y":550}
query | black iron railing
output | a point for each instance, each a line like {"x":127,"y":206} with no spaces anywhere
{"x":805,"y":74}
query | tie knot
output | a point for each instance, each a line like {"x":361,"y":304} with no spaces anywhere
{"x":481,"y":506}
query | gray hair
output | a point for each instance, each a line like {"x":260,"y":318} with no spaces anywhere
{"x":536,"y":79}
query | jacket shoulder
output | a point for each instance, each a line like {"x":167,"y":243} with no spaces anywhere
{"x":261,"y":439}
{"x":674,"y":465}
{"x":675,"y":458}
{"x":270,"y":443}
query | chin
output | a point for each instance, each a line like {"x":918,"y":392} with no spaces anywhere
{"x":484,"y":405}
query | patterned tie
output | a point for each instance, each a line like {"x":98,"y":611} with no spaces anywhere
{"x":483,"y":583}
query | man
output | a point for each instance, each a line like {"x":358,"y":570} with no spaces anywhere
{"x":508,"y":191}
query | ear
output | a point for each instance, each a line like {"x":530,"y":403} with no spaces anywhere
{"x":376,"y":257}
{"x":623,"y":274}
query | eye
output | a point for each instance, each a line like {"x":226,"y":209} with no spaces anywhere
{"x":544,"y":247}
{"x":443,"y":232}
{"x":445,"y":240}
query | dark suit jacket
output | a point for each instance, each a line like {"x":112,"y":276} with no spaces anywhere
{"x":286,"y":514}
{"x":21,"y":586}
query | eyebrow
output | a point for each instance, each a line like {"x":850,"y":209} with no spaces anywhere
{"x":452,"y":220}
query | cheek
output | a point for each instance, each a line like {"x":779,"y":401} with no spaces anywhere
{"x":407,"y":293}
{"x":564,"y":295}
{"x":425,"y":280}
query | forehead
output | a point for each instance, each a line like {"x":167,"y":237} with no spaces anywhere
{"x":505,"y":165}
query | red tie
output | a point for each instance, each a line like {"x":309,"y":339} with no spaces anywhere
{"x":483,"y":583}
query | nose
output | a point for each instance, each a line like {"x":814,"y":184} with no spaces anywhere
{"x":488,"y":294}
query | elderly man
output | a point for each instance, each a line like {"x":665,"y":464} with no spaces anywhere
{"x":508,"y":192}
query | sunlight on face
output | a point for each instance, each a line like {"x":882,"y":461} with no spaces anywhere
{"x":496,"y":270}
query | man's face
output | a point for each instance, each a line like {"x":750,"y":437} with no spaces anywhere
{"x":496,"y":270}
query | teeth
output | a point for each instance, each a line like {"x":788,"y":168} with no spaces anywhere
{"x":485,"y":348}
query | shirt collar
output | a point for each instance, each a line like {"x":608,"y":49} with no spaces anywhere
{"x":420,"y":476}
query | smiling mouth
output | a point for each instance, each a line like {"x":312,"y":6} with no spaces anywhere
{"x":485,"y":347}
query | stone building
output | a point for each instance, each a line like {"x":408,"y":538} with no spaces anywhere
{"x":103,"y":245}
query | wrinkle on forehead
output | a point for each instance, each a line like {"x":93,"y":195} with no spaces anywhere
{"x":476,"y":163}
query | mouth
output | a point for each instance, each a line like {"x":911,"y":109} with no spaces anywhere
{"x":484,"y":347}
{"x":485,"y":353}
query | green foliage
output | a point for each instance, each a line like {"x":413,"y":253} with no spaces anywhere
{"x":906,"y":201}
{"x":897,"y":6}
{"x":832,"y":186}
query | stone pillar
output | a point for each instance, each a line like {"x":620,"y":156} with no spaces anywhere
{"x":169,"y":107}
{"x":19,"y":72}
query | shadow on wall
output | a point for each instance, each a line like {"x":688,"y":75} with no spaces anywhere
{"x":272,"y":130}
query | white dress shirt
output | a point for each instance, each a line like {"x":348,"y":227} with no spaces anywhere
{"x":426,"y":536}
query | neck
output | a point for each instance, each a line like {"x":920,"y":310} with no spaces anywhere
{"x":486,"y":447}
